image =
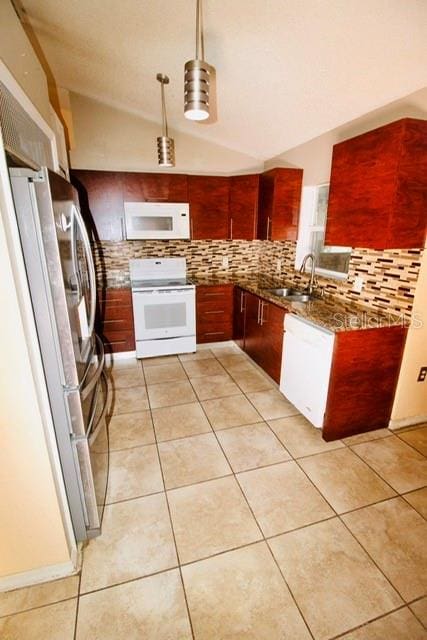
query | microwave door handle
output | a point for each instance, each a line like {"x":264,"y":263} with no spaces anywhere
{"x":91,"y":267}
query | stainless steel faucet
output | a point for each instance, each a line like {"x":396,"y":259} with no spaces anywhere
{"x":312,"y":283}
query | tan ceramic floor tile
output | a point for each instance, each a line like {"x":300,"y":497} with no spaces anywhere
{"x":150,"y":609}
{"x":160,"y":360}
{"x":201,"y":354}
{"x":345,"y":481}
{"x":54,"y":622}
{"x":335,"y":584}
{"x":199,"y":368}
{"x":130,"y":400}
{"x":272,"y":404}
{"x":234,"y":361}
{"x":209,"y":518}
{"x":134,"y":473}
{"x":400,"y":465}
{"x":164,"y":373}
{"x":168,"y":394}
{"x":251,"y":446}
{"x":420,"y":610}
{"x":418,"y":499}
{"x":366,"y":437}
{"x":394,"y":535}
{"x":127,"y":377}
{"x":282,"y":498}
{"x":300,"y":437}
{"x":240,"y":595}
{"x":230,"y":412}
{"x":399,"y":625}
{"x":130,"y":430}
{"x":229,"y":350}
{"x":250,"y":381}
{"x":215,"y":386}
{"x":136,"y":541}
{"x":417,"y":438}
{"x":38,"y":595}
{"x":180,"y":421}
{"x":192,"y":460}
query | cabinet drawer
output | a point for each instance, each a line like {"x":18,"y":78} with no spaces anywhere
{"x":115,"y":341}
{"x":214,"y":316}
{"x":214,"y":333}
{"x":117,"y":324}
{"x":214,"y":293}
{"x":115,"y":312}
{"x":115,"y":296}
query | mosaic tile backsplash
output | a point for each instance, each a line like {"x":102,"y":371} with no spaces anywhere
{"x":390,"y":276}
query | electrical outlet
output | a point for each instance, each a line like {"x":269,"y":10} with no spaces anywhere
{"x":422,"y":374}
{"x":225,"y":262}
{"x":278,"y":265}
{"x":358,"y":284}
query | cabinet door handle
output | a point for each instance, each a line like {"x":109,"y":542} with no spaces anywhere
{"x":213,"y":293}
{"x":231,"y":228}
{"x":207,"y":313}
{"x":191,"y":229}
{"x":259,"y":309}
{"x":268,"y":228}
{"x":261,"y":320}
{"x":242,"y":297}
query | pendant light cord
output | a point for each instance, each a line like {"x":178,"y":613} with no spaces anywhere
{"x":164,"y":119}
{"x":200,"y":45}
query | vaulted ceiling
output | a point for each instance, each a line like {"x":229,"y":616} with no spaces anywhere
{"x":287,"y":70}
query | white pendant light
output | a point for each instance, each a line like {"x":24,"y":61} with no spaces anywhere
{"x":165,"y":145}
{"x":197,"y":77}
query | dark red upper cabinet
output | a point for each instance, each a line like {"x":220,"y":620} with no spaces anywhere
{"x":101,"y":202}
{"x":279,"y":204}
{"x":378,"y":191}
{"x":209,"y":207}
{"x":155,"y":187}
{"x":244,"y":193}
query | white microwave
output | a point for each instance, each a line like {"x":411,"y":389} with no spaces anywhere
{"x":157,"y":220}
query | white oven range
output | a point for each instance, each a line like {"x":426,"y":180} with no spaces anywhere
{"x":164,"y":307}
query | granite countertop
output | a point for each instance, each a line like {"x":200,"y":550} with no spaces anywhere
{"x":324,"y":311}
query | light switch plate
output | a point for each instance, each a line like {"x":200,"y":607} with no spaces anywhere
{"x":225,"y":262}
{"x":358,"y":284}
{"x":278,"y":265}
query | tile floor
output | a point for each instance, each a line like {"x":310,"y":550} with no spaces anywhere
{"x":228,"y":517}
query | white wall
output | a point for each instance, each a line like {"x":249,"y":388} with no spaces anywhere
{"x":33,"y":531}
{"x":315,"y":155}
{"x":106,"y":138}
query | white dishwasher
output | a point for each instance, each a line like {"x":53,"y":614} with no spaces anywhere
{"x":306,"y":367}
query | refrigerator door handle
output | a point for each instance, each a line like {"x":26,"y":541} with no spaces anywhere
{"x":91,"y":267}
{"x":93,"y":432}
{"x":94,"y":380}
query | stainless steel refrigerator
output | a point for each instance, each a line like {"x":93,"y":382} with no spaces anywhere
{"x":62,"y":284}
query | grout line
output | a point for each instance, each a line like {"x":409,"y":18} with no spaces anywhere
{"x":171,"y":522}
{"x":262,"y":533}
{"x":77,"y":603}
{"x":135,"y":579}
{"x":39,"y":606}
{"x":365,"y":624}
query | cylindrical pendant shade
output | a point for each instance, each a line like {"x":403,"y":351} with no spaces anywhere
{"x":196,"y":90}
{"x":166,"y":151}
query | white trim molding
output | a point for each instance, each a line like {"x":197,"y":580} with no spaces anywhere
{"x":407,"y":422}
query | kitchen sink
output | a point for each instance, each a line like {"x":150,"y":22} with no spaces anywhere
{"x":293,"y":295}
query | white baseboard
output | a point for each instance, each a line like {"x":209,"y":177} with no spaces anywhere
{"x":406,"y":422}
{"x":37,"y":576}
{"x":120,"y":355}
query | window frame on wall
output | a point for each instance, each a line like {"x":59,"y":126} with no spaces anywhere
{"x":309,"y":226}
